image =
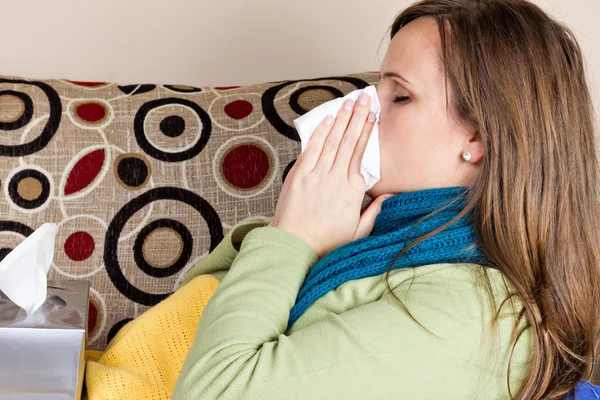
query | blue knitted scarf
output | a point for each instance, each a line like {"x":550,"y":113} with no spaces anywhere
{"x":396,"y":226}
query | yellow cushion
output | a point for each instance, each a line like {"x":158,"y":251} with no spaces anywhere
{"x":145,"y":357}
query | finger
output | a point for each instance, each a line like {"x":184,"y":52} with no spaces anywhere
{"x":332,"y":143}
{"x":363,"y":208}
{"x":359,"y":152}
{"x":309,"y":158}
{"x":368,"y":217}
{"x":353,"y":134}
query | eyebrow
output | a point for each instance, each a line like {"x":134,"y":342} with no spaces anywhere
{"x":392,"y":74}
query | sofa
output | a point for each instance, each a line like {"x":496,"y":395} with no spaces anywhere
{"x":144,"y":180}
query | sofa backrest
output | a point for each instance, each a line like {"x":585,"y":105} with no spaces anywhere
{"x":144,"y":180}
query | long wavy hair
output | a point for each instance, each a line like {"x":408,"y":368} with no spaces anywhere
{"x":517,"y":76}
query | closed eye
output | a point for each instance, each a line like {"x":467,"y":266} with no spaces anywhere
{"x":401,"y":99}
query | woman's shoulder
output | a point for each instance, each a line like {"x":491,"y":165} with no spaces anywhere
{"x":468,"y":289}
{"x":456,"y":279}
{"x":464,"y":299}
{"x":453,"y":301}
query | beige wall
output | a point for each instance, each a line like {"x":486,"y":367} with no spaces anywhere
{"x":219,"y":42}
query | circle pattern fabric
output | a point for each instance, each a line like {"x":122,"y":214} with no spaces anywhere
{"x":144,"y":180}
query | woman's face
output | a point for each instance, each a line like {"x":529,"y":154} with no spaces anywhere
{"x":421,"y":143}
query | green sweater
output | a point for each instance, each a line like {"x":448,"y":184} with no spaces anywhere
{"x":355,"y":342}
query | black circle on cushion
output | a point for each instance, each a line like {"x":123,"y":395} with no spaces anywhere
{"x":13,"y":189}
{"x":132,"y":90}
{"x":172,"y":126}
{"x":116,"y":328}
{"x":296,"y":95}
{"x":287,"y":169}
{"x":184,"y":257}
{"x":180,"y":90}
{"x":116,"y":226}
{"x":4,"y":252}
{"x":144,"y":143}
{"x":13,"y":226}
{"x":268,"y":103}
{"x":49,"y":129}
{"x":27,"y":112}
{"x":132,"y":171}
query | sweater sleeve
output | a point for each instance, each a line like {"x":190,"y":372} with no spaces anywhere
{"x":218,"y":261}
{"x":241,"y":349}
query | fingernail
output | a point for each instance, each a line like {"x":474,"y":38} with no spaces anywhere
{"x":371,"y":117}
{"x":348,"y":105}
{"x":329,"y":120}
{"x":363,"y":98}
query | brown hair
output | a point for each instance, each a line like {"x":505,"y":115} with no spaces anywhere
{"x":517,"y":77}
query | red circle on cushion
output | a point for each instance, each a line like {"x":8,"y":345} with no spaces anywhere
{"x":84,"y":172}
{"x":89,"y":84}
{"x":91,"y":112}
{"x":238,"y":109}
{"x":92,"y":316}
{"x":226,"y":87}
{"x":246,"y":166}
{"x":79,"y":246}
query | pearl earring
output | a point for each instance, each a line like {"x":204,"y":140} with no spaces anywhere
{"x":466,"y":156}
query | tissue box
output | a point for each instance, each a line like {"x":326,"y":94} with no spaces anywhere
{"x":42,"y":354}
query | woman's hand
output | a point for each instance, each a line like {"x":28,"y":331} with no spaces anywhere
{"x":321,"y":198}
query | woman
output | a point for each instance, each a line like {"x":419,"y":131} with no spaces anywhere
{"x":487,"y":137}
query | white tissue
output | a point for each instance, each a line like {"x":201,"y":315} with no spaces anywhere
{"x":306,"y":125}
{"x":24,"y":271}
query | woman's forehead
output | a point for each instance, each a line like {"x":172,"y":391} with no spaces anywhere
{"x":415,"y":50}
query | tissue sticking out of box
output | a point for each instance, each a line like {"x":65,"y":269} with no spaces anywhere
{"x":24,"y":271}
{"x":307,"y":123}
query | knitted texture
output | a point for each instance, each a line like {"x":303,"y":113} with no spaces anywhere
{"x":395,"y":227}
{"x":145,"y":357}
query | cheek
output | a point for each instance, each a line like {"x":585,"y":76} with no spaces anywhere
{"x":396,"y":127}
{"x":396,"y":141}
{"x":413,"y":124}
{"x":406,"y":137}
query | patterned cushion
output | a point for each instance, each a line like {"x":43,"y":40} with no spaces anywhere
{"x":144,"y":180}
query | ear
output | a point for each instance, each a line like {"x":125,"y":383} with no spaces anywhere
{"x":475,"y":147}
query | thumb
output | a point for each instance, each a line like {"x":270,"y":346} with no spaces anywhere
{"x":367,"y":218}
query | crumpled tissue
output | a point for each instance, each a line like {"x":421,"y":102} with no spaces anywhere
{"x":307,"y":123}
